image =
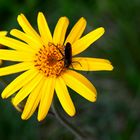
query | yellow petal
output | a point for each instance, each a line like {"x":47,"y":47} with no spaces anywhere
{"x":76,"y":31}
{"x":46,"y":99}
{"x":64,"y":97}
{"x":15,"y":44}
{"x":83,"y":43}
{"x":19,"y":82}
{"x":33,"y":43}
{"x":3,"y":33}
{"x":15,"y":55}
{"x":44,"y":29}
{"x":80,"y":84}
{"x":27,"y":89}
{"x":16,"y":68}
{"x":91,"y":64}
{"x":26,"y":26}
{"x":32,"y":101}
{"x":60,"y":30}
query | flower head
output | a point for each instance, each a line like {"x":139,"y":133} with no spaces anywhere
{"x":48,"y":63}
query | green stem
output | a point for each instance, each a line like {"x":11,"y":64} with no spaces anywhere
{"x":67,"y":124}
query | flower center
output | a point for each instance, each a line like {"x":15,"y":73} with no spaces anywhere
{"x":49,"y":60}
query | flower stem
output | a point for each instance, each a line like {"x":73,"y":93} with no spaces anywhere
{"x":79,"y":135}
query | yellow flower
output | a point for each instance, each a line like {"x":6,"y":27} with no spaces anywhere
{"x":43,"y":59}
{"x":2,"y":33}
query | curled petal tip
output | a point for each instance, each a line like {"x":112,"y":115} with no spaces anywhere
{"x":72,"y":114}
{"x":111,"y":67}
{"x":39,"y":119}
{"x":3,"y":96}
{"x":102,"y":30}
{"x":40,"y":13}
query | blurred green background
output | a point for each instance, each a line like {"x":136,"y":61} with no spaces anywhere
{"x":116,"y":114}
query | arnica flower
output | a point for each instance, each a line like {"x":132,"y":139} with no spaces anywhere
{"x":46,"y":65}
{"x":2,"y":33}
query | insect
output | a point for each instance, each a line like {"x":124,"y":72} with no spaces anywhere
{"x":67,"y":55}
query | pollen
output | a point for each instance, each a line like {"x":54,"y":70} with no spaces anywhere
{"x":49,"y":60}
